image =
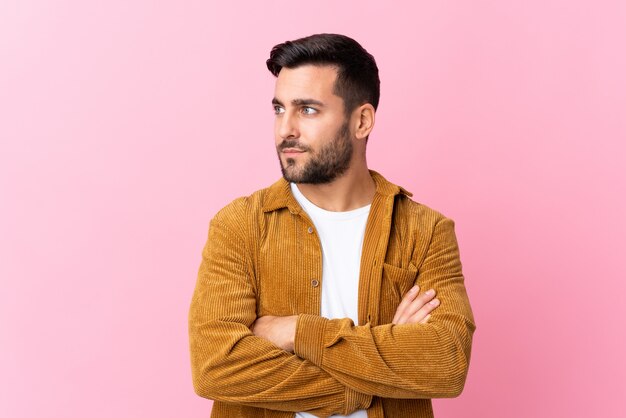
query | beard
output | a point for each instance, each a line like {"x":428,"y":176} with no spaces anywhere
{"x":324,"y":165}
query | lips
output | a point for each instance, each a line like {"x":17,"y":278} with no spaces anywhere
{"x":292,"y":151}
{"x":290,"y":146}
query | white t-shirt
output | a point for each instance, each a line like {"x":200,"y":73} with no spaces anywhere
{"x":341,"y":235}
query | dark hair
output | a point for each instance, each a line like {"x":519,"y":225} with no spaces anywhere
{"x":357,"y":74}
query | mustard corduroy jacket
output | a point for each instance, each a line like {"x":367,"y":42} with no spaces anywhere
{"x":263,"y":257}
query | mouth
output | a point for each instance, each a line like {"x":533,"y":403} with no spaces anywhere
{"x":292,"y":151}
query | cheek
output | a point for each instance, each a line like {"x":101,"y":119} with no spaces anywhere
{"x":312,"y":130}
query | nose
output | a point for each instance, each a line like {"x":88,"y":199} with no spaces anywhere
{"x":287,"y":126}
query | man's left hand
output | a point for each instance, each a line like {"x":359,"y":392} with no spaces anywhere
{"x":280,"y":330}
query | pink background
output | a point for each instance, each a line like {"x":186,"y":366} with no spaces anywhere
{"x":125,"y":125}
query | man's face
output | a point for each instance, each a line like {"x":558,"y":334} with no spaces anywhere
{"x":311,"y":130}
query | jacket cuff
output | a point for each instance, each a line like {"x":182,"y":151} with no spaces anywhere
{"x":356,"y":400}
{"x":309,"y":340}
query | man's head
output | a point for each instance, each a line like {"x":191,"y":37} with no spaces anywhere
{"x":327,"y":89}
{"x":357,"y":74}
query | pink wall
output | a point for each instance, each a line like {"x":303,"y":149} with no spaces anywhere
{"x":125,"y":125}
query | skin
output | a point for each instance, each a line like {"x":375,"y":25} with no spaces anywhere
{"x":310,"y":118}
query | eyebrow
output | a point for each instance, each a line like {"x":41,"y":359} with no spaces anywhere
{"x":299,"y":102}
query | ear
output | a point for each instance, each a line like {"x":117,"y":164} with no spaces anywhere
{"x":364,"y":117}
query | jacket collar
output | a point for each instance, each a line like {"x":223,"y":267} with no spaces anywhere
{"x":279,"y":194}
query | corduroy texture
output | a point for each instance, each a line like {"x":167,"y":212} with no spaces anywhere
{"x":262,"y":258}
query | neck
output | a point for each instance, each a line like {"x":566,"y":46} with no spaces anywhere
{"x":353,"y":190}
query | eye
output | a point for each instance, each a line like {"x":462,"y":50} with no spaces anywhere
{"x":278,"y":110}
{"x":309,"y":110}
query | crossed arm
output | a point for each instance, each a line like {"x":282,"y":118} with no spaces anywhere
{"x":415,"y":308}
{"x":335,"y":367}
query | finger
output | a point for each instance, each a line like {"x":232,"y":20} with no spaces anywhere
{"x":417,"y":304}
{"x":413,"y":305}
{"x":425,"y":320}
{"x":424,"y":311}
{"x":406,"y":301}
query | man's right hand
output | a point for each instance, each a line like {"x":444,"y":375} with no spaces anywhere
{"x":415,"y":307}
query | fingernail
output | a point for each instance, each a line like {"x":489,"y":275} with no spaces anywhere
{"x":434,"y":302}
{"x":414,"y":289}
{"x":430,"y":292}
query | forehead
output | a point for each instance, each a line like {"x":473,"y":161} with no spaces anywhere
{"x":306,"y":81}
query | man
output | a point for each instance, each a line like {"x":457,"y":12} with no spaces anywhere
{"x":331,"y":292}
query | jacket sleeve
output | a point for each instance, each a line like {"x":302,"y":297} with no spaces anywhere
{"x":229,"y":363}
{"x":402,"y":361}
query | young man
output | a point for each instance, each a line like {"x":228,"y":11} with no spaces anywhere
{"x":331,"y":292}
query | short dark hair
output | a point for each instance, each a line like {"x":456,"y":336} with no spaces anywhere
{"x":357,"y":74}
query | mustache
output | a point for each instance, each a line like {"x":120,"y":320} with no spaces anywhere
{"x":292,"y":143}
